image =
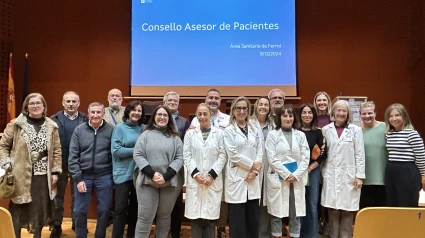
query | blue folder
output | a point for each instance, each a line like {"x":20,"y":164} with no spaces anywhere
{"x":292,"y":167}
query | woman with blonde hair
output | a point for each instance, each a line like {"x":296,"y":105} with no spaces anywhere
{"x":244,"y":147}
{"x":322,"y":103}
{"x":376,"y":157}
{"x":204,"y":159}
{"x":262,"y":119}
{"x":31,"y":142}
{"x":406,"y":163}
{"x":344,"y":170}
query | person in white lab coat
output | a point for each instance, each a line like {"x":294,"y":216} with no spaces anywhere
{"x":204,"y":158}
{"x":261,"y":118}
{"x":344,"y":170}
{"x":288,"y":155}
{"x":218,"y":120}
{"x":244,"y":147}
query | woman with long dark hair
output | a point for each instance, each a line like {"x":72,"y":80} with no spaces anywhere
{"x":317,"y":144}
{"x":158,"y":154}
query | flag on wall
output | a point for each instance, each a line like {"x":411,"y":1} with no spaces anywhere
{"x":10,"y":93}
{"x":25,"y":89}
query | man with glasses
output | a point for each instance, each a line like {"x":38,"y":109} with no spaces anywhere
{"x":219,"y":120}
{"x":90,"y":165}
{"x":277,"y":99}
{"x":67,"y":120}
{"x":171,"y":101}
{"x":114,"y":113}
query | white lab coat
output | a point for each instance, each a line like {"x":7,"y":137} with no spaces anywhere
{"x":221,"y":121}
{"x":345,"y":162}
{"x":279,"y":153}
{"x":265,"y":162}
{"x":237,"y":147}
{"x":203,"y":201}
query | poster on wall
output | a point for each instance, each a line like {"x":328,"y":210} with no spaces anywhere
{"x":354,"y":102}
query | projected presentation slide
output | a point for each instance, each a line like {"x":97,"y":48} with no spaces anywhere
{"x":238,"y":46}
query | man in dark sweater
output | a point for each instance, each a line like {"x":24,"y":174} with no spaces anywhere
{"x":90,"y":164}
{"x":67,"y":119}
{"x":171,"y":101}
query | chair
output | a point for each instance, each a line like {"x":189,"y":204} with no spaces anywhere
{"x":387,"y":222}
{"x":149,"y":107}
{"x":6,"y":225}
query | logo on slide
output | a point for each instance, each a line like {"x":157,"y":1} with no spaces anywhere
{"x":145,"y":1}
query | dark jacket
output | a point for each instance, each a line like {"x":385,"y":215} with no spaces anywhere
{"x":90,"y":151}
{"x":59,"y":118}
{"x":182,"y":126}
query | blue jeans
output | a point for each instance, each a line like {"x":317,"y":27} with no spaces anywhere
{"x":310,"y":223}
{"x":103,"y":185}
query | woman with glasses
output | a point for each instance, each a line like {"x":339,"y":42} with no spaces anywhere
{"x":405,"y":171}
{"x":243,"y":143}
{"x":204,"y":158}
{"x":376,"y":157}
{"x":31,"y":142}
{"x":318,"y":153}
{"x":344,"y":170}
{"x":288,"y":157}
{"x":158,"y":154}
{"x":261,"y":118}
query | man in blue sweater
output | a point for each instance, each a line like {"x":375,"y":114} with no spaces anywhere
{"x":67,"y":119}
{"x":90,"y":165}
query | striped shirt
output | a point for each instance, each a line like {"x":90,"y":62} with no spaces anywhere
{"x":406,"y":146}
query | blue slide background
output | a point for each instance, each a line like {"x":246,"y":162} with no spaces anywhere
{"x":201,"y":58}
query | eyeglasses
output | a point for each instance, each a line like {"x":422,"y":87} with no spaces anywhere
{"x":238,"y":109}
{"x":32,"y":104}
{"x":164,"y":115}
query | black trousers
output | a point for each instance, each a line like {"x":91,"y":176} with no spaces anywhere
{"x":403,"y":183}
{"x":125,"y":210}
{"x":176,"y":214}
{"x":373,"y":196}
{"x":244,"y":219}
{"x":60,"y":198}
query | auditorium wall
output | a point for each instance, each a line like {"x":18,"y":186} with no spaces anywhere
{"x":359,"y":48}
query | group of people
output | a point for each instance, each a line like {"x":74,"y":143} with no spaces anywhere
{"x":247,"y":170}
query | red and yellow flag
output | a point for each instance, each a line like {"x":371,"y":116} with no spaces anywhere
{"x":11,"y":114}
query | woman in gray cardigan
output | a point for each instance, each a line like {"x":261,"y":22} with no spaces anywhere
{"x":158,"y":154}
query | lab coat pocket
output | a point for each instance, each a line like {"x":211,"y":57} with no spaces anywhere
{"x":273,"y":181}
{"x":273,"y":189}
{"x":350,"y":175}
{"x":217,"y":184}
{"x":191,"y":182}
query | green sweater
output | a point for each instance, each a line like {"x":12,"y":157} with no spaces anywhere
{"x":376,"y":154}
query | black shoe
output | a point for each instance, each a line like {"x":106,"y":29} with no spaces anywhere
{"x":73,"y":227}
{"x":56,"y":232}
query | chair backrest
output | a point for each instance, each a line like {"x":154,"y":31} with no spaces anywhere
{"x":390,"y":222}
{"x":150,"y":106}
{"x":6,"y":225}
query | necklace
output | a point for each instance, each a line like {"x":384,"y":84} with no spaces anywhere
{"x":205,"y":133}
